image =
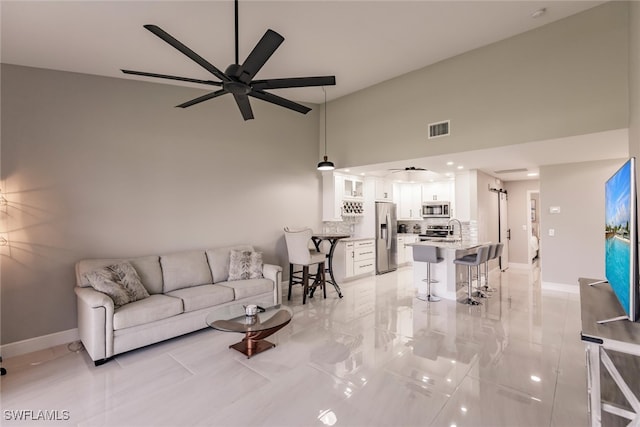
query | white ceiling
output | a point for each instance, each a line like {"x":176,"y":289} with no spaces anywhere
{"x":362,"y":43}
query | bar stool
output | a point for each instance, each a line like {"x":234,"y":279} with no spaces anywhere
{"x":428,"y":254}
{"x":300,"y":254}
{"x":472,"y":260}
{"x":492,"y":255}
{"x":483,"y":263}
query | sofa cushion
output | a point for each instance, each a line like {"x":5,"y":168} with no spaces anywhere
{"x":197,"y":297}
{"x":148,"y":268}
{"x":245,"y":265}
{"x":248,"y":288}
{"x":185,"y":269}
{"x":150,"y":309}
{"x":219,"y":261}
{"x":150,"y":273}
{"x":119,"y":281}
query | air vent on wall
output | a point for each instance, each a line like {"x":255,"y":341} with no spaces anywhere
{"x":439,"y":129}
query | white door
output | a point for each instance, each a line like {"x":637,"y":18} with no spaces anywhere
{"x":505,"y":232}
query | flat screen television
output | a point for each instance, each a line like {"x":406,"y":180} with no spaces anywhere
{"x":621,"y":238}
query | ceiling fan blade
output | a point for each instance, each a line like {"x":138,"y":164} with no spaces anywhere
{"x":244,"y":106}
{"x":294,"y":82}
{"x":164,"y":76}
{"x":274,"y":99}
{"x":202,"y":98}
{"x":186,"y":51}
{"x":268,"y":44}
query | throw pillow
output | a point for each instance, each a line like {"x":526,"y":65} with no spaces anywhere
{"x":119,"y":281}
{"x":245,"y":265}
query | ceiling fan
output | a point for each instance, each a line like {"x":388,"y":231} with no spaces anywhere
{"x":408,"y":169}
{"x":237,"y":79}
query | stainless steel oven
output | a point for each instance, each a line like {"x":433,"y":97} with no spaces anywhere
{"x":436,"y":232}
{"x":436,"y":210}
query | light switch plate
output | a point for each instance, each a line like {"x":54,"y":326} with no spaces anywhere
{"x":554,"y":209}
{"x":552,"y":232}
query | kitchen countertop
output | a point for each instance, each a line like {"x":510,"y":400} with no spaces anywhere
{"x":356,"y":239}
{"x":463,"y":245}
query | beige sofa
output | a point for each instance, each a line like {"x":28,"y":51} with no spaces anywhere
{"x":183,"y":288}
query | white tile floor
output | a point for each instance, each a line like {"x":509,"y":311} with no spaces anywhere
{"x":376,"y":357}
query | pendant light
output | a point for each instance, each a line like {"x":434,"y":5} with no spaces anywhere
{"x":325,"y":165}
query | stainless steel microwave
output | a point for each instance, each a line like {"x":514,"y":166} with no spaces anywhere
{"x":436,"y":210}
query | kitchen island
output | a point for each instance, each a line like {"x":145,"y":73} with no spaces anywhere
{"x":445,"y":271}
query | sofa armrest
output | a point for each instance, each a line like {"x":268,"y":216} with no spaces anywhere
{"x":274,"y":272}
{"x":95,"y":322}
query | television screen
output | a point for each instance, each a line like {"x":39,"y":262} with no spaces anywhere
{"x":620,"y":237}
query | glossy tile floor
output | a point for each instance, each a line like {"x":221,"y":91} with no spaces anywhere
{"x":377,"y":357}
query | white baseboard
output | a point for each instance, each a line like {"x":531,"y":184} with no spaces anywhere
{"x":39,"y":343}
{"x":519,"y":265}
{"x":561,"y":287}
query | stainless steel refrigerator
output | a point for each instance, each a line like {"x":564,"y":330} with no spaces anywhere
{"x":386,"y":237}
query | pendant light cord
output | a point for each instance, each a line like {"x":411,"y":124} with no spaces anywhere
{"x":325,"y":121}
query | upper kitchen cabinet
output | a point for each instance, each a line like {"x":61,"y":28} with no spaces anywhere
{"x":342,"y":195}
{"x":353,"y":188}
{"x":408,"y":197}
{"x":383,"y":190}
{"x":441,"y":191}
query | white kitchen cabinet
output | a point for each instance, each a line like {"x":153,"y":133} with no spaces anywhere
{"x":405,"y":253}
{"x":336,"y":188}
{"x":332,"y":188}
{"x":409,"y":201}
{"x":401,"y":254}
{"x":383,"y":190}
{"x":352,"y":188}
{"x":352,"y":259}
{"x":442,"y":191}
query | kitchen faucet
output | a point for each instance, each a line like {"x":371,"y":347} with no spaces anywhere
{"x":459,"y":225}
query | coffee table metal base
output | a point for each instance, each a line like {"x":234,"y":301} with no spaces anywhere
{"x":254,"y":342}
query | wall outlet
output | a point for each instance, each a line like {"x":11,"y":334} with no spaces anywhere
{"x":554,"y":209}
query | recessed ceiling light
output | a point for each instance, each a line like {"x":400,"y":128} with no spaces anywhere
{"x":362,"y":174}
{"x":535,"y":378}
{"x":532,"y":174}
{"x":347,"y":170}
{"x":449,"y":163}
{"x":460,"y":167}
{"x":538,"y":13}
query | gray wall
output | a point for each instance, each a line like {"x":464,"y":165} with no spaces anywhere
{"x":102,"y":167}
{"x":518,"y":217}
{"x":565,"y":78}
{"x":577,"y":249}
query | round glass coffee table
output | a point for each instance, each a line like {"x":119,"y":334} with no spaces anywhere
{"x":269,"y":320}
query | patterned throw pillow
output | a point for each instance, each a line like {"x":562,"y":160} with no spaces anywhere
{"x":119,"y":281}
{"x":245,"y":265}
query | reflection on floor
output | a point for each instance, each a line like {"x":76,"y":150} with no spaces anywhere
{"x":378,"y":357}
